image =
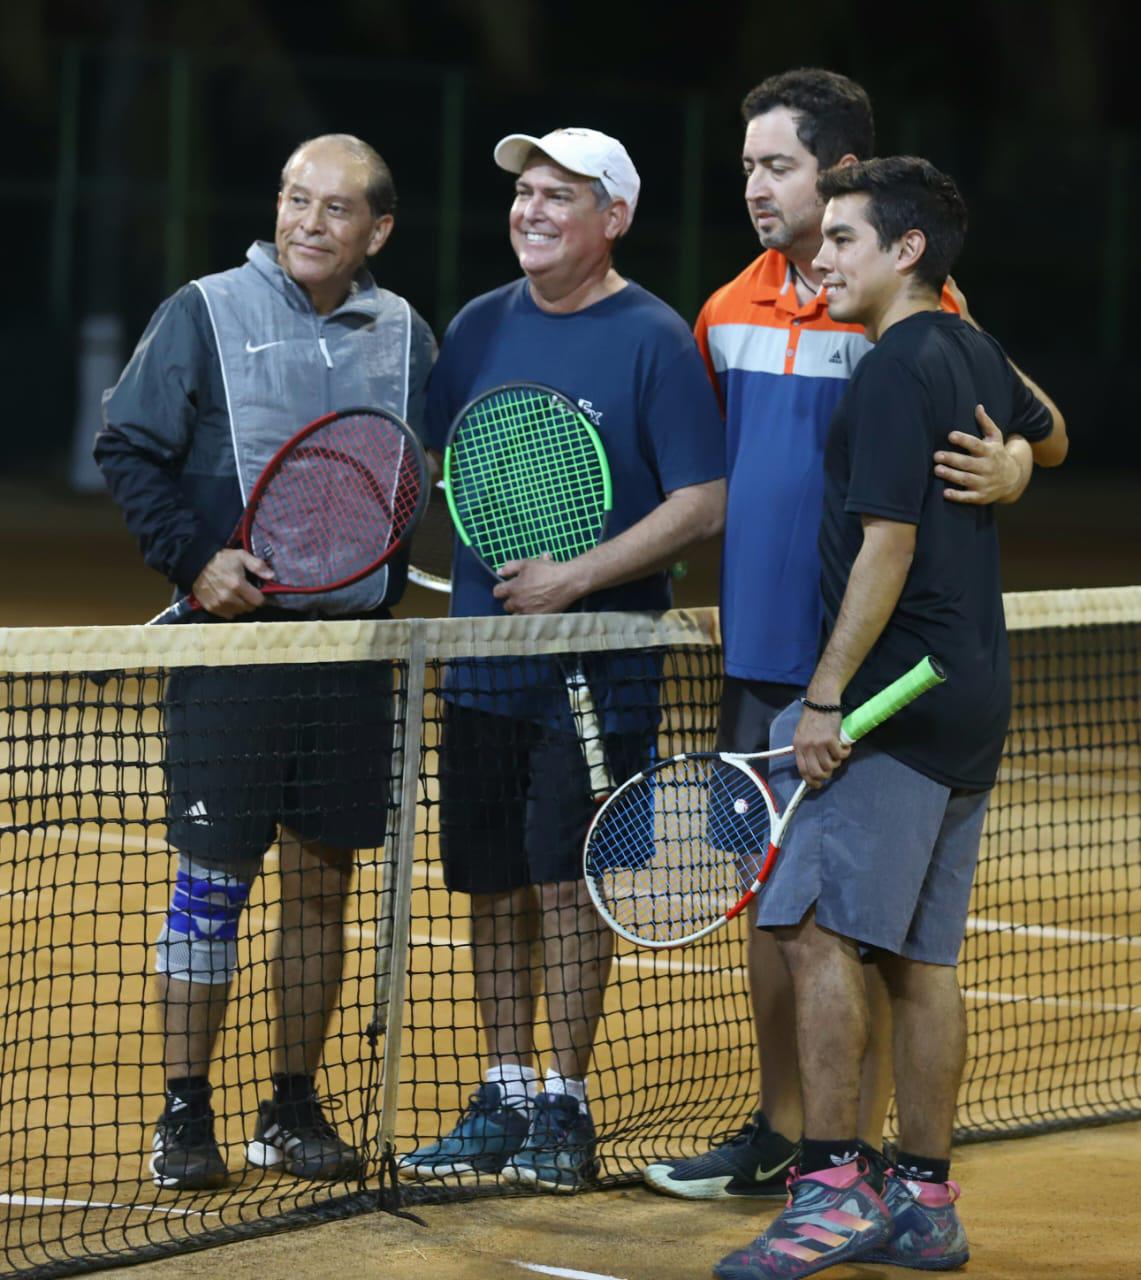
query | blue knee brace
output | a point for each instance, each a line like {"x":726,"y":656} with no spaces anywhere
{"x":198,"y":942}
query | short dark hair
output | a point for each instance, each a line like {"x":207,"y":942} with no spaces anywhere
{"x":380,"y":190}
{"x":835,"y":113}
{"x":906,"y":192}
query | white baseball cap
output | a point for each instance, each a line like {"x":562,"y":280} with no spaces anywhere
{"x":585,"y":151}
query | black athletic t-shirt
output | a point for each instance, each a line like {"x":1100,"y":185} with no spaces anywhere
{"x":922,"y":380}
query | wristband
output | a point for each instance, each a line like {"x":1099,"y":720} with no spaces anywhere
{"x":827,"y":707}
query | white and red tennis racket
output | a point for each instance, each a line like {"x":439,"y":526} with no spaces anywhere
{"x":431,"y":550}
{"x":338,"y":499}
{"x":683,"y":847}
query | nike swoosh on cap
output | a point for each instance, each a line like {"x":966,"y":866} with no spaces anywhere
{"x":262,"y":346}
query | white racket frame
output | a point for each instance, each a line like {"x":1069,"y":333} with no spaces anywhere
{"x":778,"y":825}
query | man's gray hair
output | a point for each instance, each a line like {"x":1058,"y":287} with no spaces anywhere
{"x":602,"y":197}
{"x":380,"y":190}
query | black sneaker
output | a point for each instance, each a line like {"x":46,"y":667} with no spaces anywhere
{"x":298,"y":1137}
{"x":753,"y":1163}
{"x":184,"y":1155}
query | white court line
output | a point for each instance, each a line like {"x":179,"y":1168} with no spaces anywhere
{"x":43,"y":1202}
{"x":1091,"y":1007}
{"x":567,"y":1273}
{"x":431,"y":873}
{"x":658,"y":961}
{"x":1050,"y":932}
{"x":653,"y":960}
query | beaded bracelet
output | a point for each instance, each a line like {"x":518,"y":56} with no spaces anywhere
{"x":828,"y":707}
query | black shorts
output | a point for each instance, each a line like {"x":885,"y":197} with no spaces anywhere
{"x":515,"y":799}
{"x":748,"y":709}
{"x":249,"y":748}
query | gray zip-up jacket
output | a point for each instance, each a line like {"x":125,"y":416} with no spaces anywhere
{"x":229,"y":367}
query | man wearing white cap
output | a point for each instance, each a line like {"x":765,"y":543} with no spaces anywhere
{"x":515,"y":797}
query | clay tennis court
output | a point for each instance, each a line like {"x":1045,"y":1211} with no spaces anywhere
{"x":1061,"y":1204}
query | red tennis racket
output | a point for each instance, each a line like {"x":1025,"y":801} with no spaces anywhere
{"x":336,"y":501}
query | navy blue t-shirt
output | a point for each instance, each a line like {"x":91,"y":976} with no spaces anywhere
{"x":631,"y":364}
{"x":922,"y":379}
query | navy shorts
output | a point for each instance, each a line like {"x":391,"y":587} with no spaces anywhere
{"x":884,"y":853}
{"x":515,"y":799}
{"x":248,"y":748}
{"x":748,"y":709}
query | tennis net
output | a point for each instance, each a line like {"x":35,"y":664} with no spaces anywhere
{"x":96,"y":729}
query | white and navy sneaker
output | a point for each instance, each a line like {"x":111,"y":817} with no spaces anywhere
{"x":559,"y":1152}
{"x":487,"y":1136}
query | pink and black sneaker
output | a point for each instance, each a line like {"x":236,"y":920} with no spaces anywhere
{"x":926,"y":1232}
{"x":832,"y":1216}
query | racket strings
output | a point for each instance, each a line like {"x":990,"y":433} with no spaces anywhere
{"x":530,"y":479}
{"x":338,"y":502}
{"x":673,"y":852}
{"x":541,"y":477}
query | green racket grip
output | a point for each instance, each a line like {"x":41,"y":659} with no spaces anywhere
{"x":925,"y":675}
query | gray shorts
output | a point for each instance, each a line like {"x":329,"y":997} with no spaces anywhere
{"x":886,"y":854}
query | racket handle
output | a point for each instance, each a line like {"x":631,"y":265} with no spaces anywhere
{"x":177,"y":612}
{"x":925,"y":675}
{"x":590,"y":734}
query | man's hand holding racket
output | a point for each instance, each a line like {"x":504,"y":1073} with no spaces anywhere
{"x":337,"y":500}
{"x":224,"y":587}
{"x":540,"y":586}
{"x":819,"y":748}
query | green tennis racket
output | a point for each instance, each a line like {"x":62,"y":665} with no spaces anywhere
{"x":526,"y":476}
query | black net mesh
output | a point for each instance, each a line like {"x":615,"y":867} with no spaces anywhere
{"x":92,"y":766}
{"x":106,"y":736}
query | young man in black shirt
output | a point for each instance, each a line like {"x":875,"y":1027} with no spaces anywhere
{"x":882,"y":858}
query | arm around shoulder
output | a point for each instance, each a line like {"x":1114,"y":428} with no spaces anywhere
{"x":1051,"y":450}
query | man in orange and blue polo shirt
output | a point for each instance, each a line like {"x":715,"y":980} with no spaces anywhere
{"x":780,"y":366}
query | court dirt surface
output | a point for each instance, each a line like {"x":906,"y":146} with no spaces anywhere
{"x":69,"y":561}
{"x":1064,"y":1206}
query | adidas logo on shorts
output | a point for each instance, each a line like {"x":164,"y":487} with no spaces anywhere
{"x":197,"y":814}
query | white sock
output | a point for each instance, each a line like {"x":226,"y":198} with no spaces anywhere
{"x":516,"y":1084}
{"x":569,"y":1085}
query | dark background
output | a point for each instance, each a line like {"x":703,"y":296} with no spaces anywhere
{"x":144,"y":143}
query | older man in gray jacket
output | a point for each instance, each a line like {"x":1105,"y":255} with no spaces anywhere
{"x":229,"y":367}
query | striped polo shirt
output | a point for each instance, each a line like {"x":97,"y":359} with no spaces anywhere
{"x":780,"y":369}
